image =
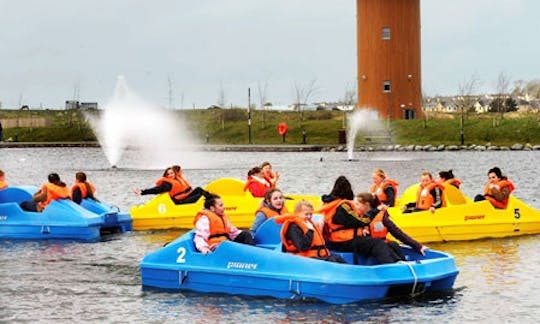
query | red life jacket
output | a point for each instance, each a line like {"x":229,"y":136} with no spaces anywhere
{"x":220,"y":226}
{"x":83,"y":189}
{"x":424,"y":199}
{"x":379,"y":190}
{"x":377,"y":228}
{"x":179,"y":189}
{"x":496,"y":203}
{"x":257,"y":188}
{"x":337,"y":232}
{"x":317,"y":247}
{"x":54,"y":192}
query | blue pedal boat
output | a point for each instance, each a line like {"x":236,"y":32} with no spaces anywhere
{"x":264,"y":270}
{"x":113,"y":219}
{"x":61,"y":219}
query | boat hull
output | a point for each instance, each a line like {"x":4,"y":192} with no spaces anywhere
{"x":161,"y":213}
{"x":266,"y":271}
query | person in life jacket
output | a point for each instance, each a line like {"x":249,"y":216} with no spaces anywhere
{"x":272,"y":205}
{"x":53,"y":190}
{"x":384,"y":188}
{"x":497,"y":189}
{"x":82,"y":188}
{"x":256,"y":183}
{"x":3,"y":183}
{"x":270,"y":176}
{"x":187,"y":194}
{"x":381,"y":224}
{"x":447,"y":177}
{"x":178,"y":190}
{"x":347,"y":231}
{"x":212,"y":227}
{"x":301,"y":236}
{"x":428,"y":197}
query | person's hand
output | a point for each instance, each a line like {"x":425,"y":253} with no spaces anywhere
{"x":310,"y":226}
{"x":365,"y":231}
{"x":403,"y":208}
{"x":205,"y":250}
{"x":277,"y":175}
{"x":382,"y":207}
{"x":137,"y":191}
{"x":423,"y":250}
{"x":432,"y":209}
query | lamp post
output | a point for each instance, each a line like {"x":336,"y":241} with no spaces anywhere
{"x":249,"y":115}
{"x":462,"y":131}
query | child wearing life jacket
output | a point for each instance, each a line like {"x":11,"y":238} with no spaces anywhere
{"x":82,"y":188}
{"x":384,"y":188}
{"x":256,"y":183}
{"x":447,"y":177}
{"x":212,"y":227}
{"x":270,"y":176}
{"x":53,"y":190}
{"x":273,"y":205}
{"x":497,"y":189}
{"x":3,"y":183}
{"x":428,"y":197}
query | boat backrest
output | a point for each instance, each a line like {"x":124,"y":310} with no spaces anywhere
{"x":17,"y":194}
{"x":268,"y":233}
{"x":453,"y":195}
{"x":226,"y":186}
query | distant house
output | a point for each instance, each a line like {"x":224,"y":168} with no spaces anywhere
{"x":88,"y":105}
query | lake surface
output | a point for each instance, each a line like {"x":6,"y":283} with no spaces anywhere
{"x":70,"y":281}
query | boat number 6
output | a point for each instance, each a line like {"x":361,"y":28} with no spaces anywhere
{"x":181,"y":255}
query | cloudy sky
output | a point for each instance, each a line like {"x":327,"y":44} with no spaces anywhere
{"x":188,"y":52}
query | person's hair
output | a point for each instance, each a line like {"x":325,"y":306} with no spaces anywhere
{"x":265,"y":163}
{"x":269,"y":193}
{"x":301,"y":203}
{"x":372,"y":200}
{"x":446,"y":174}
{"x":1,"y":173}
{"x":55,"y":178}
{"x":176,"y":168}
{"x":427,"y":173}
{"x":81,"y":176}
{"x":497,"y":172}
{"x":380,"y":173}
{"x":342,"y":189}
{"x":254,"y":170}
{"x":210,"y":200}
{"x":167,"y":170}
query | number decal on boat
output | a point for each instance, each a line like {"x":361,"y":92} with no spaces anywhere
{"x":162,"y":209}
{"x":181,"y":255}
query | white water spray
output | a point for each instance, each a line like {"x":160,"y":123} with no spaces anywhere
{"x":158,"y":137}
{"x":363,"y":119}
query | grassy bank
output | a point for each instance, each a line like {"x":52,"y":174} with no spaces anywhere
{"x":229,"y":126}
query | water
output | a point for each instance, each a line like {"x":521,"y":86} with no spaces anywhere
{"x":70,"y":281}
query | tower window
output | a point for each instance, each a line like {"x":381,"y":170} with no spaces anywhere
{"x":386,"y":33}
{"x":387,"y":86}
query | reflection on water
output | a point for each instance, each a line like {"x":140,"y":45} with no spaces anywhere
{"x":69,"y":281}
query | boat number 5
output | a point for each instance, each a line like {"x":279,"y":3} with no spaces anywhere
{"x":181,"y":255}
{"x":517,"y":215}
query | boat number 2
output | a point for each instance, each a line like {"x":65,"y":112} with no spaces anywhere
{"x":181,"y":255}
{"x":517,"y":215}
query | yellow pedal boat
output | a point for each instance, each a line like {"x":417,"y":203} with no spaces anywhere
{"x":462,"y":219}
{"x":161,"y":213}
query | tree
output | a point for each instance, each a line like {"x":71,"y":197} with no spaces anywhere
{"x":349,"y":99}
{"x":303,"y":94}
{"x":503,"y":105}
{"x":503,"y":83}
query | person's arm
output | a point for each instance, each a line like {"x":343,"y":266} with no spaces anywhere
{"x":202,"y":233}
{"x":500,"y":194}
{"x":299,"y":240}
{"x":76,"y":195}
{"x":390,"y":196}
{"x":260,"y":217}
{"x":437,"y":197}
{"x":349,"y":218}
{"x":164,"y":187}
{"x":399,"y":234}
{"x":41,"y":195}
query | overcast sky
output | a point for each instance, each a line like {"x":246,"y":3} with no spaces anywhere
{"x":55,"y":50}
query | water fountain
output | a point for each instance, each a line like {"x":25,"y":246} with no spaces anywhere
{"x":363,"y":119}
{"x":146,"y":135}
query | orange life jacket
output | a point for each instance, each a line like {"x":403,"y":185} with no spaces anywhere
{"x":220,"y":226}
{"x":83,"y":189}
{"x":3,"y":184}
{"x":379,"y":190}
{"x":317,"y":247}
{"x":54,"y":192}
{"x":269,"y":212}
{"x":489,"y":196}
{"x":454,"y":182}
{"x":376,"y":227}
{"x":180,"y":187}
{"x":424,"y":200}
{"x":337,"y":232}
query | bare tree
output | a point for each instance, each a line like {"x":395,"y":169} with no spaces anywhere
{"x":261,"y":89}
{"x":303,"y":94}
{"x":503,"y":84}
{"x":349,"y":99}
{"x":465,"y":101}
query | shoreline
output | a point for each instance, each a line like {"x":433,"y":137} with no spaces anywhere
{"x":300,"y":147}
